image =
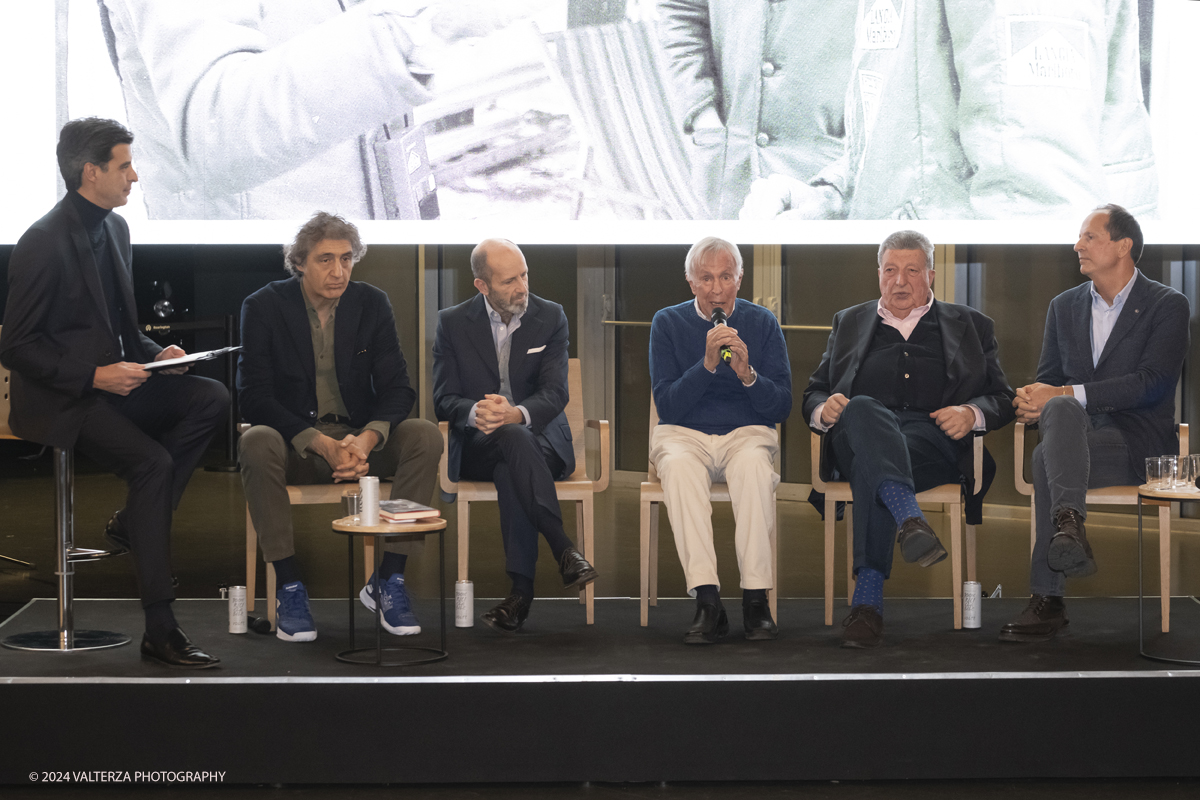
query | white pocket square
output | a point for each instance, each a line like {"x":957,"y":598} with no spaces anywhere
{"x":535,"y":349}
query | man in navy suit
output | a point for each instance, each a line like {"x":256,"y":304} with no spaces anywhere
{"x":903,"y":381}
{"x":500,"y":380}
{"x":71,"y":340}
{"x":1104,"y":402}
{"x":323,"y":381}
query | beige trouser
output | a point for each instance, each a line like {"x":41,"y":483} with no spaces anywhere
{"x":688,"y":463}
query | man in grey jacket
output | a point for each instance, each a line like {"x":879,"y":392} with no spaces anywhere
{"x":759,"y":89}
{"x":1104,"y":401}
{"x":962,"y":109}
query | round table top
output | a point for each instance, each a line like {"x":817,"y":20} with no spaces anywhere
{"x":1159,"y":493}
{"x":419,"y":528}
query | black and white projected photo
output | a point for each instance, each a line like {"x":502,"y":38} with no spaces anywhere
{"x":613,"y":121}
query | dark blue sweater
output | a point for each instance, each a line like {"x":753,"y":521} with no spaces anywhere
{"x":687,"y":394}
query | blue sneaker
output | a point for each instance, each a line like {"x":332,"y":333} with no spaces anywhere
{"x":398,"y":616}
{"x":293,"y":619}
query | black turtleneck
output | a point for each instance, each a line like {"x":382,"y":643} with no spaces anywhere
{"x":93,"y":217}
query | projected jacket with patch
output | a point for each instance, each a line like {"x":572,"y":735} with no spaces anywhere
{"x":961,"y":109}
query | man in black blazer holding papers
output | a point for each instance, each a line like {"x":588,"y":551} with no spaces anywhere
{"x":500,"y":380}
{"x":71,"y":340}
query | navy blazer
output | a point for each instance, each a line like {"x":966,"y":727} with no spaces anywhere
{"x":465,"y":368}
{"x":56,"y":324}
{"x":277,"y":370}
{"x":1134,"y":380}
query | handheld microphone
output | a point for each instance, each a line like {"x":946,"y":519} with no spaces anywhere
{"x":718,"y":318}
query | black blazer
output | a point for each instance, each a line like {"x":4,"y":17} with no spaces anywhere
{"x":973,"y":372}
{"x":276,"y":378}
{"x":465,"y":368}
{"x":1134,"y":380}
{"x":56,"y":324}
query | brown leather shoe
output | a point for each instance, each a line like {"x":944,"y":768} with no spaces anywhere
{"x":1069,"y":551}
{"x":919,"y":543}
{"x":863,"y":628}
{"x":1044,"y":617}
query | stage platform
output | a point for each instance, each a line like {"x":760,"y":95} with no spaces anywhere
{"x":563,"y":701}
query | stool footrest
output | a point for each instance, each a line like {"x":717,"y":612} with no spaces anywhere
{"x":78,"y":554}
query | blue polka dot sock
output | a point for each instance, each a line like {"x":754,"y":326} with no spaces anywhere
{"x":868,"y":588}
{"x":900,"y":501}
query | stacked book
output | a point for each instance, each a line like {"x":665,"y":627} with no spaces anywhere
{"x":403,"y":511}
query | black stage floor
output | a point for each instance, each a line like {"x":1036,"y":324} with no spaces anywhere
{"x":919,"y":638}
{"x":615,"y":701}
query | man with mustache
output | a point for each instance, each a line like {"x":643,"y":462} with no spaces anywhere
{"x":324,"y":383}
{"x":500,"y":381}
{"x":903,"y":381}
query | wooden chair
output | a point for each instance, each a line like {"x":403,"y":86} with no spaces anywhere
{"x":6,"y":433}
{"x":300,"y":495}
{"x":650,"y":497}
{"x":578,"y":487}
{"x":1109,"y":496}
{"x":949,"y":494}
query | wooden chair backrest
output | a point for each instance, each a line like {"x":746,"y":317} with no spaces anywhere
{"x":651,"y":472}
{"x":575,"y":418}
{"x":5,"y":385}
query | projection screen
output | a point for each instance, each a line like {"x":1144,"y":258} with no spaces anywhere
{"x":547,"y":121}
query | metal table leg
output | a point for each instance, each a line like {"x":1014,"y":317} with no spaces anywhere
{"x":1141,"y":596}
{"x":404,"y":653}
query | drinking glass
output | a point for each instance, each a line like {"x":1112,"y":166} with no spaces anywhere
{"x":1169,"y":470}
{"x":1154,"y":472}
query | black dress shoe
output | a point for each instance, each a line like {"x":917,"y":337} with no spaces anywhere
{"x":919,"y":543}
{"x":116,"y":535}
{"x":177,"y":652}
{"x":1069,"y":551}
{"x":510,"y":615}
{"x":863,"y":628}
{"x":756,"y":617}
{"x":709,"y":627}
{"x":575,"y":569}
{"x":1041,"y":620}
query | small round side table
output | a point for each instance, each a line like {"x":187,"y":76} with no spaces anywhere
{"x":405,"y":655}
{"x":1162,"y":498}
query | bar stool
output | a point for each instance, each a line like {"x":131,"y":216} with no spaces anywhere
{"x":65,"y":638}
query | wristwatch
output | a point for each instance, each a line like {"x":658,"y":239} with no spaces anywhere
{"x":753,"y":377}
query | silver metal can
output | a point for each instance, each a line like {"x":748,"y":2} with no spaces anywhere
{"x":369,"y":489}
{"x":464,"y":604}
{"x":237,"y":609}
{"x":972,"y":600}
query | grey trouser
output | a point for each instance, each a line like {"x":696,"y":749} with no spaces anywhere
{"x":269,"y":464}
{"x":1077,"y":452}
